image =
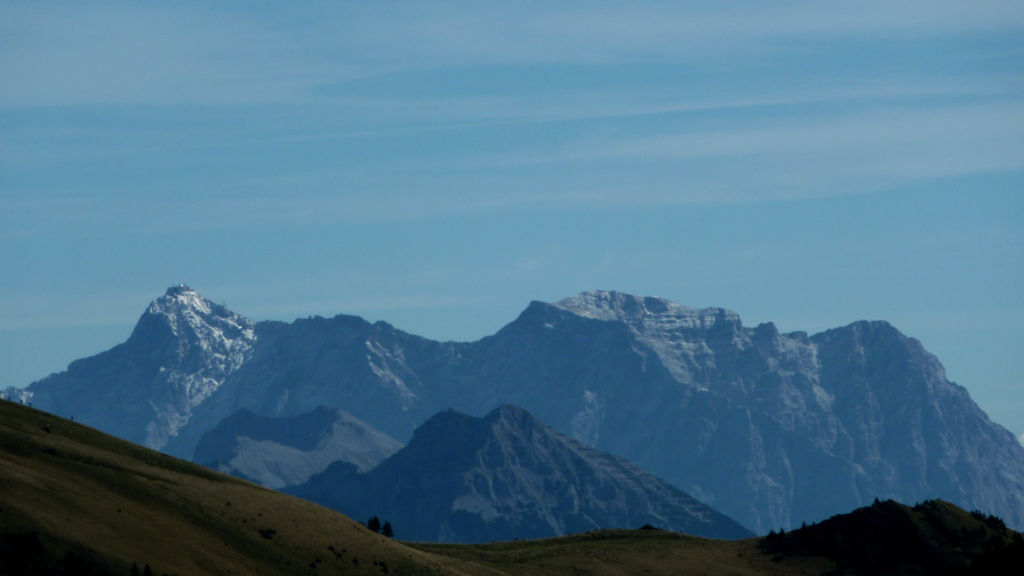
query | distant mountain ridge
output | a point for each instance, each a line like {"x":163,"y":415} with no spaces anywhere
{"x":507,"y":476}
{"x":279,"y":452}
{"x":748,"y":420}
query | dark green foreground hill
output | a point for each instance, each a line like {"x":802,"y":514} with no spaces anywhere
{"x":76,"y":501}
{"x":933,"y":537}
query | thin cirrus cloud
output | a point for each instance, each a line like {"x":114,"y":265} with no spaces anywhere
{"x":473,"y":34}
{"x":805,"y":157}
{"x":794,"y":137}
{"x":111,"y":53}
{"x":772,"y":159}
{"x":935,"y":133}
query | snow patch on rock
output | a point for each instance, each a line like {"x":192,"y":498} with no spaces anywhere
{"x":212,"y":343}
{"x":587,"y":422}
{"x":381,"y":362}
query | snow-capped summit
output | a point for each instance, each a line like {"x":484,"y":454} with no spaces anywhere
{"x":205,"y":337}
{"x":181,"y":351}
{"x":186,"y":312}
{"x":177,"y":298}
{"x":207,"y":343}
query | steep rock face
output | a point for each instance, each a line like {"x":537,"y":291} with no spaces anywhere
{"x":181,"y":351}
{"x":772,"y":429}
{"x":506,"y":476}
{"x":688,"y":394}
{"x":342,"y":362}
{"x":911,"y":432}
{"x":286,"y":451}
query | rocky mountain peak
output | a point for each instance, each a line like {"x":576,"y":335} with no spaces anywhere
{"x":203,"y":344}
{"x":643,"y":312}
{"x":509,"y":414}
{"x":508,"y":475}
{"x":180,"y":296}
{"x":187,"y":313}
{"x":675,"y":333}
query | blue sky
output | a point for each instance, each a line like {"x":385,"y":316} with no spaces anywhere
{"x":439,"y":165}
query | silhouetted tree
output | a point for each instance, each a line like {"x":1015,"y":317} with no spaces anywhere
{"x":373,"y":524}
{"x":387,"y":531}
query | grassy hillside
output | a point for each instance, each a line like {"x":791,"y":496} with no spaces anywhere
{"x":76,"y":501}
{"x":70,"y":495}
{"x":613,"y":552}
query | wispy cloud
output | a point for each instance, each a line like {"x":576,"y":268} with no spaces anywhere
{"x":430,"y":142}
{"x":118,"y":53}
{"x":114,"y":53}
{"x":582,"y":32}
{"x":784,"y":156}
{"x":738,"y":160}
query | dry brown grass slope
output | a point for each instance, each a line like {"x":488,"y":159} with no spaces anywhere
{"x":66,"y":488}
{"x":617,"y":552}
{"x":84,"y":491}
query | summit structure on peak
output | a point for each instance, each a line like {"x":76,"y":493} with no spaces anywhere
{"x":771,"y":428}
{"x":187,"y":313}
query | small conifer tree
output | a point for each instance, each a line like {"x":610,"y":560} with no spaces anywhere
{"x":387,"y":531}
{"x":373,"y":524}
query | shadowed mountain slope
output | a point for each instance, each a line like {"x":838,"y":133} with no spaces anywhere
{"x":279,"y":452}
{"x":508,"y":476}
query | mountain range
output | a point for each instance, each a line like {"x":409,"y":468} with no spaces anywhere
{"x":772,"y":429}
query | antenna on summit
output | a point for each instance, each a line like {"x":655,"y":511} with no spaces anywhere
{"x":178,"y":287}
